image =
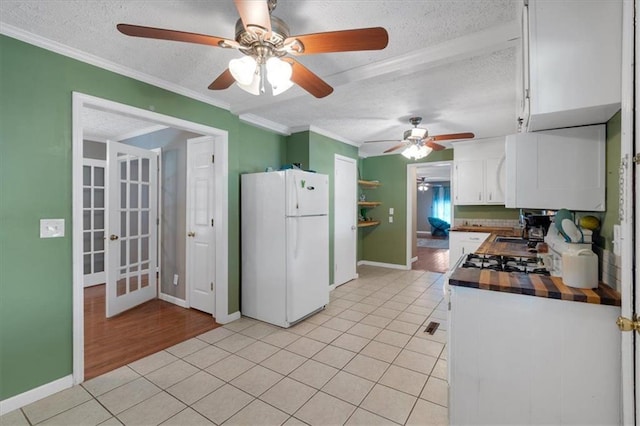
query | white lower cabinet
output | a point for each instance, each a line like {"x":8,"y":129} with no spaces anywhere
{"x":463,"y":243}
{"x":556,"y":169}
{"x":516,"y":359}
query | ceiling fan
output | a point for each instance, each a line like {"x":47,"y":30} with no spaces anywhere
{"x":267,"y":44}
{"x":418,"y":143}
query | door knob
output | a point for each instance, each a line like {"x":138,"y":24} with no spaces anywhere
{"x":113,"y":237}
{"x":625,"y":324}
{"x":191,"y":234}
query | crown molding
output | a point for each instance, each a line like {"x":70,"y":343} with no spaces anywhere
{"x":54,"y":46}
{"x":265,"y":124}
{"x":324,"y":132}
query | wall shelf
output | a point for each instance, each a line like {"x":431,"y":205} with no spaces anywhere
{"x":366,"y":184}
{"x":368,"y":223}
{"x":369,"y":203}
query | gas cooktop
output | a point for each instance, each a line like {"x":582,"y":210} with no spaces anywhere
{"x":526,"y":265}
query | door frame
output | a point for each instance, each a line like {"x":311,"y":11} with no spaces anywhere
{"x":630,"y":231}
{"x":188,"y":250}
{"x":81,"y":101}
{"x":353,"y":161}
{"x":411,"y":188}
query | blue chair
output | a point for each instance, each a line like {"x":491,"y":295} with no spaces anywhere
{"x":439,"y":228}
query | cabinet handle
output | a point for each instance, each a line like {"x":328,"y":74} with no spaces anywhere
{"x":479,"y":196}
{"x":474,"y":238}
{"x":489,"y":196}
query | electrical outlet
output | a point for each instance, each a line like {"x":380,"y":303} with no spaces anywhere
{"x":390,"y":219}
{"x":175,"y":279}
{"x":390,"y":210}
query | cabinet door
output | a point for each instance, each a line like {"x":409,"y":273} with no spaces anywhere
{"x":575,"y":57}
{"x":469,"y":183}
{"x":557,"y":169}
{"x":494,"y":180}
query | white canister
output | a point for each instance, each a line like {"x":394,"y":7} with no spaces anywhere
{"x":580,"y":268}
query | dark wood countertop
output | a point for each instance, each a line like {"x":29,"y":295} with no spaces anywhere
{"x":532,"y":285}
{"x":498,"y":230}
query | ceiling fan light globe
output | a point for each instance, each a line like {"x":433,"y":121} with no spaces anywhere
{"x":253,"y":87}
{"x":410,"y":152}
{"x":243,"y":70}
{"x":279,"y":75}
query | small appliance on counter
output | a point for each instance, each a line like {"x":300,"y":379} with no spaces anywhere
{"x":536,"y":225}
{"x":576,"y":263}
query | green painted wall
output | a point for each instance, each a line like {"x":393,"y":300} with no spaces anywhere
{"x":35,"y":135}
{"x":604,"y":237}
{"x":298,"y":149}
{"x":387,"y":242}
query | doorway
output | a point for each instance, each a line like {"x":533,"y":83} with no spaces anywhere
{"x":429,"y":214}
{"x":82,"y":103}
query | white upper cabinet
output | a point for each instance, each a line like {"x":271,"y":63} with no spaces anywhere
{"x":571,"y":74}
{"x":556,"y":169}
{"x":479,"y":172}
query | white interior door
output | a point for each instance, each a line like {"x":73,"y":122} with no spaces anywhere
{"x":93,"y":221}
{"x":345,"y":219}
{"x":132,"y":174}
{"x":201,"y":253}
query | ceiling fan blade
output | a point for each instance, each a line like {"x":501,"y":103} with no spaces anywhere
{"x":400,"y":145}
{"x":309,"y":81}
{"x":224,"y":81}
{"x":163,"y":34}
{"x":434,"y":146}
{"x":339,"y":41}
{"x":452,"y":136}
{"x":255,"y":16}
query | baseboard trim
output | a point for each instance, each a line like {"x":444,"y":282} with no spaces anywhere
{"x":225,"y":319}
{"x":172,"y":299}
{"x":414,"y":259}
{"x":332,"y":287}
{"x":36,"y":394}
{"x":383,"y":265}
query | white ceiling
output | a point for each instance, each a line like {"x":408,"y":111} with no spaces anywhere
{"x":451,"y":62}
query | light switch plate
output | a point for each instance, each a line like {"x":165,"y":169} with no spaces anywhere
{"x":51,"y":228}
{"x":390,"y":219}
{"x":390,"y":210}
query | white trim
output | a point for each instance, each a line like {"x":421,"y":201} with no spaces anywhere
{"x":323,"y":132}
{"x":383,"y":265}
{"x":35,"y":394}
{"x":630,"y":370}
{"x":80,"y":101}
{"x":263,"y":123}
{"x":172,"y":299}
{"x":158,"y":152}
{"x":229,"y":318}
{"x":140,"y":132}
{"x":410,"y":182}
{"x":332,"y":287}
{"x":54,"y":46}
{"x":414,"y":259}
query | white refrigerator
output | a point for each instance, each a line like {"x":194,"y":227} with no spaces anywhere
{"x":285,"y":245}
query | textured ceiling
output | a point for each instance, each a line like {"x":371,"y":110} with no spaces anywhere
{"x":100,"y":126}
{"x":451,"y":62}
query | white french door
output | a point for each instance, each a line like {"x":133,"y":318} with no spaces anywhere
{"x":93,"y":221}
{"x":201,"y":232}
{"x":132,"y":175}
{"x":345,"y":219}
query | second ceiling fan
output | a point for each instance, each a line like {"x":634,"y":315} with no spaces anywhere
{"x":418,"y":143}
{"x":267,"y":44}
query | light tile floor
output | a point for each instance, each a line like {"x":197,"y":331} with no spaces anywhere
{"x":364,"y":360}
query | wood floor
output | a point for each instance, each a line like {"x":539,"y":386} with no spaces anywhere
{"x":431,"y":259}
{"x":110,"y":343}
